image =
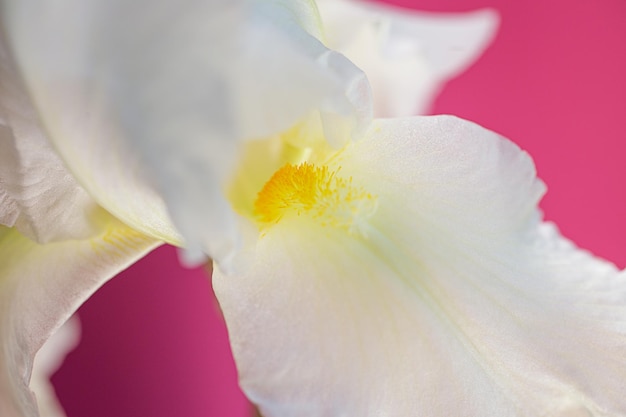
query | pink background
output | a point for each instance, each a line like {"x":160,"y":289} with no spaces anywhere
{"x":153,"y":344}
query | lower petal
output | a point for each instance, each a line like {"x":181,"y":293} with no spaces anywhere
{"x":457,"y":301}
{"x":47,"y":361}
{"x":41,"y":286}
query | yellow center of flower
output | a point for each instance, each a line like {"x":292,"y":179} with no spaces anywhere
{"x":316,"y":192}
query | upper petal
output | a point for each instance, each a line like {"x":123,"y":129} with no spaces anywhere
{"x":456,"y":301}
{"x":147,"y":103}
{"x":38,"y":195}
{"x":407,"y":55}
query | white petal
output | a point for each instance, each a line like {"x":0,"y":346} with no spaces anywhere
{"x":41,"y":286}
{"x":41,"y":202}
{"x":38,"y":195}
{"x":47,"y":361}
{"x":150,"y":99}
{"x":407,"y":55}
{"x":457,"y":301}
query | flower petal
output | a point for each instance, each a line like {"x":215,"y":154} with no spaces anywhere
{"x":47,"y":361}
{"x":41,"y":286}
{"x":38,"y":195}
{"x":153,"y":99}
{"x":455,"y":301}
{"x":51,"y":233}
{"x":407,"y":55}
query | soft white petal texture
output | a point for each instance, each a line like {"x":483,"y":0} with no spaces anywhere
{"x":456,"y":300}
{"x":57,"y":246}
{"x":41,"y":286}
{"x":47,"y":361}
{"x":38,"y":195}
{"x":147,"y":101}
{"x":407,"y":55}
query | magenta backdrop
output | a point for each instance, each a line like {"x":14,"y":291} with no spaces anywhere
{"x":153,"y":343}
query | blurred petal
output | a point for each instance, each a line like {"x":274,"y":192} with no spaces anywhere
{"x":147,"y":101}
{"x":407,"y":55}
{"x":41,"y":286}
{"x":47,"y":361}
{"x":452,"y":299}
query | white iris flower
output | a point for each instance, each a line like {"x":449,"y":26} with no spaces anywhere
{"x":388,"y":267}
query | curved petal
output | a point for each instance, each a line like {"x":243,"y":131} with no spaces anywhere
{"x":57,"y":246}
{"x":151,"y":99}
{"x":41,"y":286}
{"x":452,"y":300}
{"x":407,"y":55}
{"x":47,"y":361}
{"x":38,"y":196}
